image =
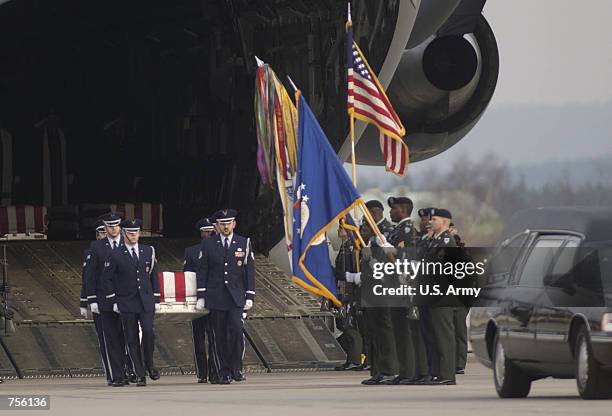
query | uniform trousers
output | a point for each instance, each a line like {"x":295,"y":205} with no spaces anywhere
{"x":130,"y":323}
{"x":227,"y":341}
{"x":199,"y":329}
{"x":382,"y":356}
{"x":113,"y":340}
{"x":461,"y":349}
{"x":411,"y":355}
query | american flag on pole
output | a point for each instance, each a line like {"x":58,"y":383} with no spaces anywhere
{"x":368,"y":102}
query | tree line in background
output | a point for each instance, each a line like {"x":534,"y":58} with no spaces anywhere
{"x":481,"y":194}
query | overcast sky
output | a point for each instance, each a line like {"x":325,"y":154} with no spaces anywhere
{"x":552,"y":51}
{"x":553,"y":100}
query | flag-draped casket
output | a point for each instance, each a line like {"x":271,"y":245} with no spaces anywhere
{"x":178,"y":296}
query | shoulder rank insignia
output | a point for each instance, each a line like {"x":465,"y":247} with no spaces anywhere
{"x":446,"y":240}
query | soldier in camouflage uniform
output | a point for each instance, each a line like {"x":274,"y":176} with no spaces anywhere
{"x":460,"y":319}
{"x":351,"y":339}
{"x":425,"y":324}
{"x":382,"y":359}
{"x":442,"y":317}
{"x":409,"y":345}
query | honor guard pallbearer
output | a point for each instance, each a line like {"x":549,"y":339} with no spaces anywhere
{"x":131,"y":284}
{"x":226,"y":286}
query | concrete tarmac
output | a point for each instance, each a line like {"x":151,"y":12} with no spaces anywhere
{"x":303,"y":393}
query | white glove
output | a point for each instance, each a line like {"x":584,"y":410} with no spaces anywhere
{"x":157,"y":307}
{"x":116,"y":308}
{"x":248,"y":304}
{"x":382,"y":242}
{"x":353,"y":277}
{"x":83,"y":312}
{"x":94,"y":308}
{"x":200,"y":304}
{"x":357,"y":278}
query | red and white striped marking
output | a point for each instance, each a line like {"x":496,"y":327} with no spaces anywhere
{"x":22,"y":219}
{"x":150,"y":214}
{"x":177,"y":286}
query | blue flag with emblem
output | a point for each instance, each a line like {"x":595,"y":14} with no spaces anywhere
{"x":324,"y":194}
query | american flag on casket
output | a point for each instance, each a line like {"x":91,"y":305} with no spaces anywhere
{"x":178,"y":295}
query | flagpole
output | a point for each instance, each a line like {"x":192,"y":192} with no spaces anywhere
{"x":353,"y":163}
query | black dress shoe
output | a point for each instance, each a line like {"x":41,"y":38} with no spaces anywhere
{"x":460,"y":371}
{"x":141,"y":382}
{"x":371,"y":381}
{"x":392,"y":381}
{"x":117,"y":383}
{"x":439,"y":381}
{"x":132,"y":378}
{"x":413,"y":381}
{"x":202,"y":380}
{"x":375,"y":380}
{"x":225,"y":380}
{"x":153,"y":373}
{"x":239,"y":377}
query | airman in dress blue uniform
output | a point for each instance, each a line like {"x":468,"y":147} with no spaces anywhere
{"x":131,"y":284}
{"x":226,"y":286}
{"x":100,"y":235}
{"x":199,"y":327}
{"x":102,"y":309}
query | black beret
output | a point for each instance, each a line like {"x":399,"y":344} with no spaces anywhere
{"x":392,"y":200}
{"x":425,"y":212}
{"x":225,"y":215}
{"x":441,"y":212}
{"x":131,"y":226}
{"x":373,"y":203}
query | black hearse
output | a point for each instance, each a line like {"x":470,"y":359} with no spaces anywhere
{"x":546,"y":305}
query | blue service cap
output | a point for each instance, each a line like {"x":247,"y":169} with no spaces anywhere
{"x":131,"y":226}
{"x":110,"y":219}
{"x":205,"y":224}
{"x":225,"y":215}
{"x":99,"y":225}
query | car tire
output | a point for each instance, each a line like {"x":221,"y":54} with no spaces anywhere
{"x":593,"y":383}
{"x":510,"y":381}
